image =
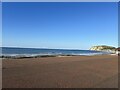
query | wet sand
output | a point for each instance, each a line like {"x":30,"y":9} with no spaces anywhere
{"x":61,"y":72}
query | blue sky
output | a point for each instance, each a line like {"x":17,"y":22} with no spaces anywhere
{"x":60,"y":25}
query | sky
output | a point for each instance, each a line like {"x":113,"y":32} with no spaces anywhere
{"x":66,"y":25}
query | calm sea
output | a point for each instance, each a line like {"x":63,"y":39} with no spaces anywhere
{"x":6,"y":51}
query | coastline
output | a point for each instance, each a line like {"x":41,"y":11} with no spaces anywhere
{"x":45,"y":56}
{"x":22,"y":56}
{"x":16,"y":53}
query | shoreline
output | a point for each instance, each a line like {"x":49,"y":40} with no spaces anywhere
{"x":45,"y":56}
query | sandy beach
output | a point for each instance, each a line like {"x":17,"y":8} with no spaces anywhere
{"x":61,"y":72}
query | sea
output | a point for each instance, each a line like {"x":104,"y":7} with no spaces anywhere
{"x":10,"y":51}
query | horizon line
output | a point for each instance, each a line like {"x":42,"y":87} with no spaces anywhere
{"x":53,"y":48}
{"x":42,"y":48}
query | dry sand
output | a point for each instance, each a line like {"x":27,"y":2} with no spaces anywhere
{"x":61,"y":72}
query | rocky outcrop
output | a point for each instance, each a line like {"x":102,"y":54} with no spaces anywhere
{"x":104,"y":48}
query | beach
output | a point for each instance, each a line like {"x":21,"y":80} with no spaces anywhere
{"x":99,"y":71}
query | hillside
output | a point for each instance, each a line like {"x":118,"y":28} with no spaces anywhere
{"x":103,"y":48}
